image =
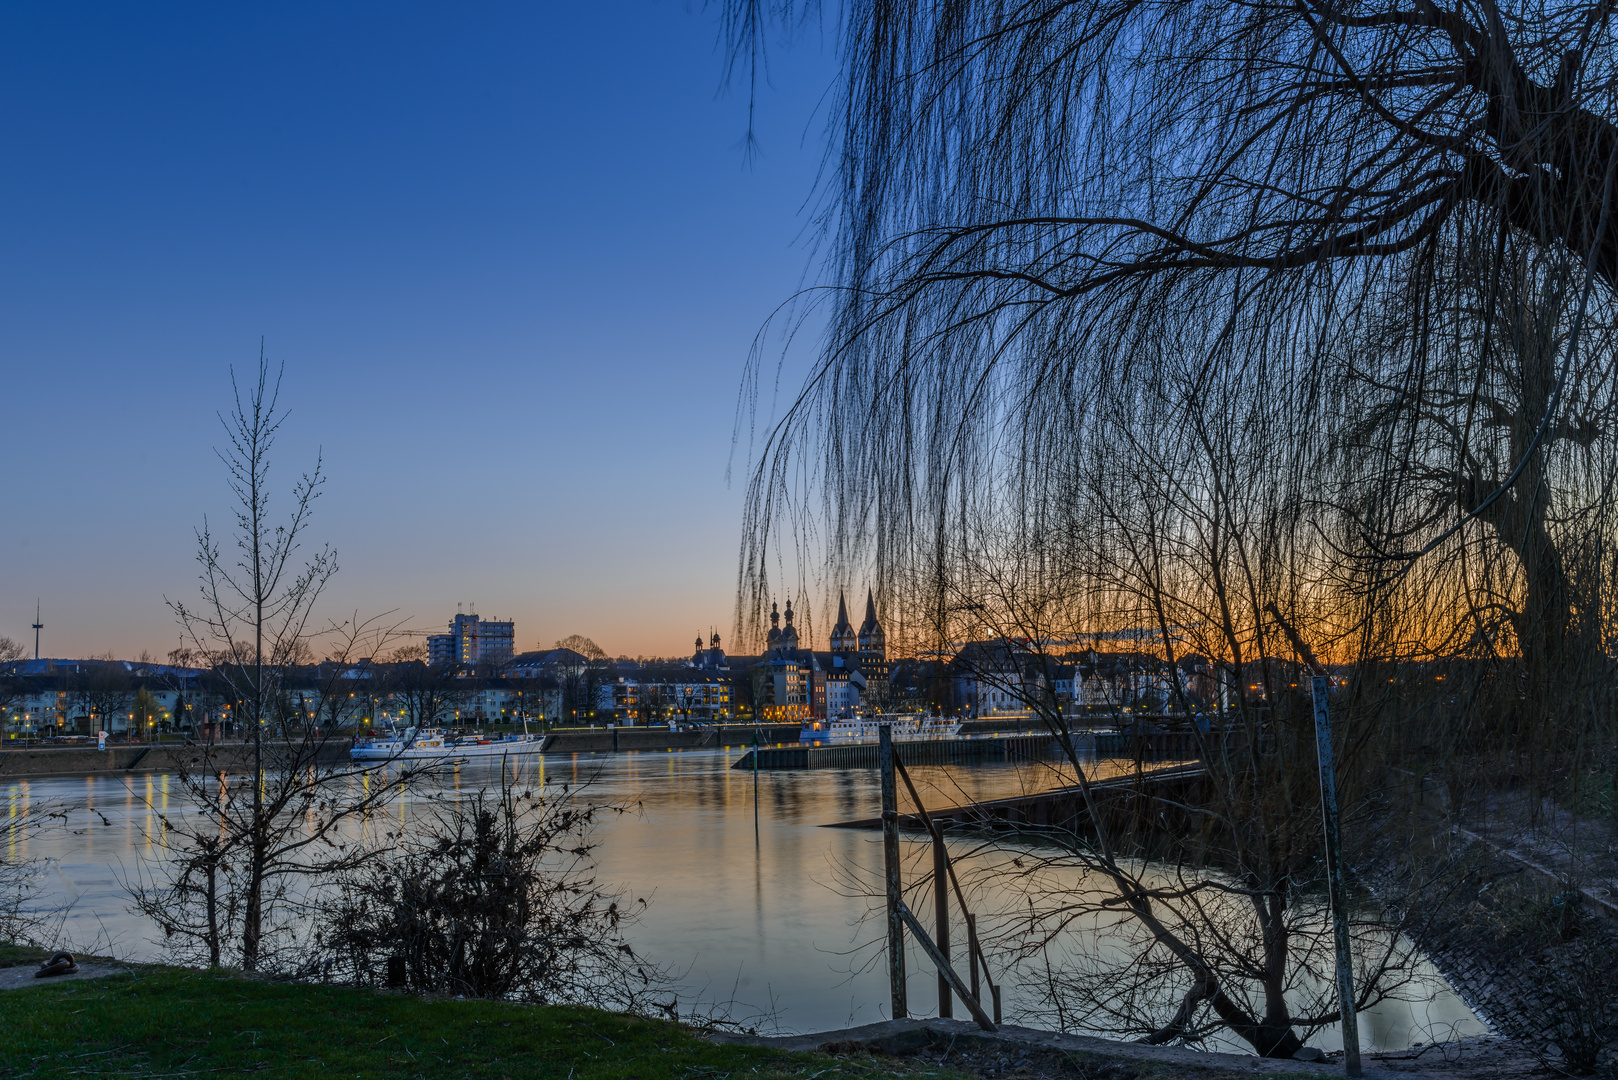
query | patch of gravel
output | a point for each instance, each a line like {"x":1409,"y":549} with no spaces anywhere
{"x":22,"y":976}
{"x":1017,"y":1053}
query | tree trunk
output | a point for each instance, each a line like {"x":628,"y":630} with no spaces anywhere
{"x":253,"y":903}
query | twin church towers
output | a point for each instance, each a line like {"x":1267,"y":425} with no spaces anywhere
{"x":868,"y":643}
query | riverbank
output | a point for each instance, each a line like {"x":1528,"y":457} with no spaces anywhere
{"x":155,"y":1021}
{"x":135,"y":758}
{"x":121,"y":758}
{"x":144,"y":1021}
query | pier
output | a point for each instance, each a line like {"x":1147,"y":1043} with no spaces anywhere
{"x":916,"y":752}
{"x":1120,"y":797}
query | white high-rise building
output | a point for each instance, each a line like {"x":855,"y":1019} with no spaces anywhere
{"x":473,"y":640}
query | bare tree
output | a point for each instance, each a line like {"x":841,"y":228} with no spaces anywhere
{"x":427,"y":693}
{"x":1037,"y":199}
{"x":583,"y":646}
{"x":12,"y":687}
{"x":1213,"y":321}
{"x":103,"y":692}
{"x":263,"y":823}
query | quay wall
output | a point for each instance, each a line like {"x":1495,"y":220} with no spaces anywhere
{"x":917,"y":752}
{"x":171,"y":757}
{"x":601,"y":740}
{"x":119,"y":759}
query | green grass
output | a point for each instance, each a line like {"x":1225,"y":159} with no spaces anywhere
{"x":160,"y":1023}
{"x":174,"y":1023}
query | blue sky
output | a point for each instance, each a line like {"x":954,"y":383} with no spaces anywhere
{"x":511,"y":256}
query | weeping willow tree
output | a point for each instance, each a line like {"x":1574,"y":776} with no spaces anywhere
{"x":1268,"y":330}
{"x":1375,"y":237}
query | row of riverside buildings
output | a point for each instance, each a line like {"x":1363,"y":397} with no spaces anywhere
{"x":785,"y":683}
{"x":471,"y":676}
{"x":855,"y":676}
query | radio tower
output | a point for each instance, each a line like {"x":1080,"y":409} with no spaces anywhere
{"x":38,"y":626}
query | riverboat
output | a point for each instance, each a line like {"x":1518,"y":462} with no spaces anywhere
{"x":859,"y":729}
{"x":417,"y":743}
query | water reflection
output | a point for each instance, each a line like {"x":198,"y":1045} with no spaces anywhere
{"x":774,"y":922}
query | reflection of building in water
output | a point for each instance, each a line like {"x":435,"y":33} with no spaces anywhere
{"x":472,"y":640}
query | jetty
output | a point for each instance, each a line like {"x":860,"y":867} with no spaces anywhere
{"x":863,"y":755}
{"x":1061,"y":808}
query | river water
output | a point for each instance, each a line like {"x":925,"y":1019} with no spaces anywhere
{"x":774,"y":924}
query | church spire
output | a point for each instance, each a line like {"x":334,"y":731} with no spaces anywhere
{"x":871,"y":640}
{"x":843,"y":639}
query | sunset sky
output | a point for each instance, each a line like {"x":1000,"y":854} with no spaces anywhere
{"x":511,"y":255}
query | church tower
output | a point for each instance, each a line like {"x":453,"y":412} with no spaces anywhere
{"x":789,"y":633}
{"x":874,"y":657}
{"x":843,"y":639}
{"x":873,"y":645}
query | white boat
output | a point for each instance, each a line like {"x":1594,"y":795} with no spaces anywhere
{"x":417,"y":743}
{"x":870,"y":727}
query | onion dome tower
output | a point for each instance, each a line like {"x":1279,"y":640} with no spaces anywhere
{"x":772,"y":640}
{"x":789,"y":633}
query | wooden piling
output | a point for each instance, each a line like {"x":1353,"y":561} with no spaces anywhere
{"x":972,"y":953}
{"x":944,"y":968}
{"x":899,"y":1009}
{"x":946,"y":1003}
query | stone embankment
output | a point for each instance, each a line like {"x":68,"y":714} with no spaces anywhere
{"x":722,"y":736}
{"x":1533,"y":959}
{"x":136,"y":758}
{"x":172,"y":757}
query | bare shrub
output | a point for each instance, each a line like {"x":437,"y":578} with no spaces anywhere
{"x":19,"y":923}
{"x":492,"y":896}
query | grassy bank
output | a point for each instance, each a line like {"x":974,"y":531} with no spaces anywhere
{"x":174,"y":1023}
{"x":158,"y":1023}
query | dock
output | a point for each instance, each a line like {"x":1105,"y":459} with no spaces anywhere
{"x":1063,"y":808}
{"x":916,"y":752}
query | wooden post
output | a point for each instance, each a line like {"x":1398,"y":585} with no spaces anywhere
{"x":890,"y":870}
{"x":1334,"y":875}
{"x":995,"y":990}
{"x":972,"y":953}
{"x":931,"y":950}
{"x":946,"y":1004}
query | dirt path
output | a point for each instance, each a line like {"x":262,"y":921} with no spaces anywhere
{"x":1017,"y":1053}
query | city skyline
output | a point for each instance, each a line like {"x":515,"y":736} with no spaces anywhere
{"x":514,"y":291}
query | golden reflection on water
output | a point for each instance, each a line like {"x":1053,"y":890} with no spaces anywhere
{"x":778,"y":922}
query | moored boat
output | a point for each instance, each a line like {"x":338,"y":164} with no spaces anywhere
{"x":416,"y":743}
{"x":863,"y":728}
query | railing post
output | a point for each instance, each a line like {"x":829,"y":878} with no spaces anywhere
{"x":946,"y":1003}
{"x":1334,"y":876}
{"x":972,"y":954}
{"x":890,"y":871}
